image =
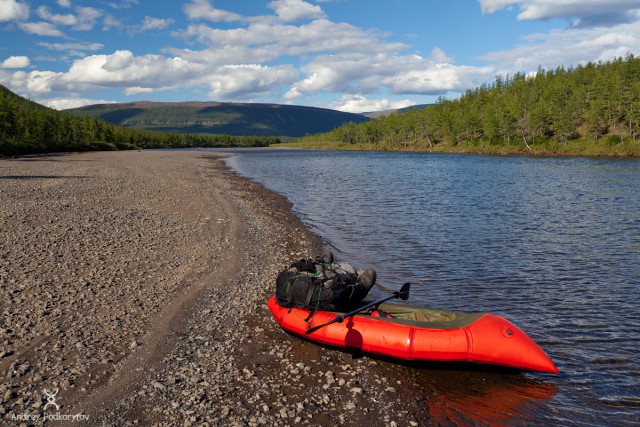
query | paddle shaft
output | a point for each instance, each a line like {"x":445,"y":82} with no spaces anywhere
{"x":403,"y":293}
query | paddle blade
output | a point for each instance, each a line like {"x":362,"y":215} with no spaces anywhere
{"x":404,"y":292}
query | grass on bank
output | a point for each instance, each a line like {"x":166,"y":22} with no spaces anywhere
{"x":610,"y":146}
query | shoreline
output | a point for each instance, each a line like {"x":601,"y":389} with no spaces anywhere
{"x":136,"y":283}
{"x":483,"y":150}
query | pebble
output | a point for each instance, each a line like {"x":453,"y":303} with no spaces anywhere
{"x":95,"y":245}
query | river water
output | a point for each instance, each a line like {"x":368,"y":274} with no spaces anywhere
{"x":552,"y":244}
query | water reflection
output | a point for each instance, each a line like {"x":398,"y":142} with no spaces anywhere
{"x":458,"y":398}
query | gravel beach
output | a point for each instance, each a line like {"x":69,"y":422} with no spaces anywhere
{"x":134,"y":288}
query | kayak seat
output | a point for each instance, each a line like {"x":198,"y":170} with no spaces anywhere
{"x":428,"y":317}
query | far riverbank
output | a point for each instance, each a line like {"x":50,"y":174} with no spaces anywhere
{"x":581,"y":148}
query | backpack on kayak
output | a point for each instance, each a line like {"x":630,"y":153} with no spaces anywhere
{"x":322,"y":284}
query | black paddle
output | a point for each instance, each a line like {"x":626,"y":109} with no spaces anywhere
{"x":403,"y":294}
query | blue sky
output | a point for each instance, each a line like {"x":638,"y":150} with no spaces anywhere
{"x":350,"y":55}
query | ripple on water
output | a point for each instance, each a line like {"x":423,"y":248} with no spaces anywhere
{"x":551,"y":244}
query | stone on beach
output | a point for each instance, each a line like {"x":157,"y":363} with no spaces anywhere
{"x":135,"y":283}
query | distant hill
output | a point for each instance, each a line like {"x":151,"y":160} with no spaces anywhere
{"x":221,"y":118}
{"x":27,"y":127}
{"x":376,"y":114}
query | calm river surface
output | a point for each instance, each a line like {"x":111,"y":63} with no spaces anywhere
{"x":552,"y":244}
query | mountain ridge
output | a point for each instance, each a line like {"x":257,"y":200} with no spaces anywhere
{"x":212,"y":117}
{"x":27,"y":127}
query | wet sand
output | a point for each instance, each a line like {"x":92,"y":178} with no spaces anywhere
{"x":135,"y":283}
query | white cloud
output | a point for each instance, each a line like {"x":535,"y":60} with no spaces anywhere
{"x":136,"y":90}
{"x":248,"y":81}
{"x":41,"y":29}
{"x":359,"y":104}
{"x":567,"y":47}
{"x":439,"y":56}
{"x":260,"y":42}
{"x":64,"y":3}
{"x":123,"y":4}
{"x":286,"y":11}
{"x":15,"y":62}
{"x":12,"y":10}
{"x":87,"y":18}
{"x":84,"y":19}
{"x":152,"y":73}
{"x":123,"y":69}
{"x":585,"y":13}
{"x":420,"y":76}
{"x":491,"y":6}
{"x":150,"y":23}
{"x":73,"y":47}
{"x":97,"y":72}
{"x":44,"y":13}
{"x":202,"y":9}
{"x":399,"y":74}
{"x":295,"y":10}
{"x":110,"y":22}
{"x":35,"y":81}
{"x":66,"y":103}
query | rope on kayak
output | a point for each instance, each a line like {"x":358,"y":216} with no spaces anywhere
{"x":317,"y":275}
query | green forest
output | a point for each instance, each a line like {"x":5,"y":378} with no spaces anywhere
{"x":27,"y":128}
{"x":591,"y":109}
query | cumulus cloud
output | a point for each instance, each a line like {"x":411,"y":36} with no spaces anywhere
{"x":360,"y":104}
{"x":150,"y":73}
{"x":202,"y":9}
{"x":35,"y":82}
{"x":124,"y":69}
{"x":44,"y":13}
{"x":87,"y":18}
{"x":41,"y":29}
{"x":261,"y":42}
{"x":73,"y":102}
{"x":15,"y":62}
{"x":97,"y":72}
{"x":12,"y":10}
{"x":340,"y":58}
{"x":248,"y":81}
{"x":583,"y":13}
{"x":123,"y":4}
{"x":72,"y":47}
{"x":109,"y":22}
{"x":295,"y":10}
{"x":568,"y":46}
{"x":399,"y":74}
{"x":150,"y":23}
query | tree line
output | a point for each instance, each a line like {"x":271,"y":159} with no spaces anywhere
{"x":592,"y":103}
{"x":27,"y":127}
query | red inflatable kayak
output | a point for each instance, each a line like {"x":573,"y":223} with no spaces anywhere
{"x":421,"y":334}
